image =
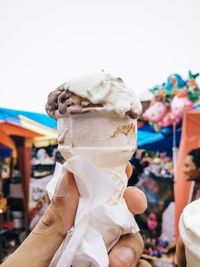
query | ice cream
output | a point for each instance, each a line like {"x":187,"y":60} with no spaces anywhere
{"x":98,"y":91}
{"x":96,"y":119}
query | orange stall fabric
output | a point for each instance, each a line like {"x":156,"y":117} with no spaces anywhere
{"x":190,"y":139}
{"x":13,"y":129}
{"x":19,"y":138}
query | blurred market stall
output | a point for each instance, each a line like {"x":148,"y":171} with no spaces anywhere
{"x":20,"y":132}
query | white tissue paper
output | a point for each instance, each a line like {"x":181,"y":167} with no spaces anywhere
{"x":98,"y":226}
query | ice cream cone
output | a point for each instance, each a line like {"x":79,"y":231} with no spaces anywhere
{"x":96,"y":119}
{"x":102,"y":138}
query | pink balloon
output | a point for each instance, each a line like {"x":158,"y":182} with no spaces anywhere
{"x":167,"y":119}
{"x":156,"y":112}
{"x":179,"y":105}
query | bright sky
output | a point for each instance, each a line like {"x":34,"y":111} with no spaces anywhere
{"x":45,"y":42}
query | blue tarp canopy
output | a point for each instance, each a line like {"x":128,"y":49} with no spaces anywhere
{"x":11,"y":115}
{"x":157,"y":141}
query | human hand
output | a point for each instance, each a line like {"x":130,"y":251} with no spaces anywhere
{"x":40,"y":246}
{"x":128,"y":250}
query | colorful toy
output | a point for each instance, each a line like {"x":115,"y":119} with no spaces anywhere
{"x":171,"y":101}
{"x":175,"y":82}
{"x":156,"y":247}
{"x":179,"y":105}
{"x":193,"y":87}
{"x":192,"y":83}
{"x":156,"y":112}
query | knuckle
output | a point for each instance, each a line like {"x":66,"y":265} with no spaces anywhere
{"x":47,"y":220}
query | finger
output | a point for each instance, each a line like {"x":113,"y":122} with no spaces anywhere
{"x":127,"y":252}
{"x":129,"y":170}
{"x":65,"y":201}
{"x":135,"y":200}
{"x":62,"y":185}
{"x":65,"y":184}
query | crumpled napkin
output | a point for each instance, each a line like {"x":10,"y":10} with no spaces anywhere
{"x":97,"y":226}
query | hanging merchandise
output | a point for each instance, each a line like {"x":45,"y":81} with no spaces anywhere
{"x":171,"y":100}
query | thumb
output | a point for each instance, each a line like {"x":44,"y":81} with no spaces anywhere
{"x":65,"y":185}
{"x":62,"y":209}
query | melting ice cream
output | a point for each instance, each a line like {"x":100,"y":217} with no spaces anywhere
{"x":98,"y":91}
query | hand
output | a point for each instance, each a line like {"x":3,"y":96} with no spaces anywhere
{"x":40,"y":246}
{"x":128,"y":250}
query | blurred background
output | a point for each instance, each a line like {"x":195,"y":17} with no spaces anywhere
{"x":154,"y":46}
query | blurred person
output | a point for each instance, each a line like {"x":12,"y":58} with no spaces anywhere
{"x":192,"y":171}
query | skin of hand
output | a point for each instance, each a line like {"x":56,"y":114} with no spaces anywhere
{"x":40,"y":246}
{"x":134,"y":197}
